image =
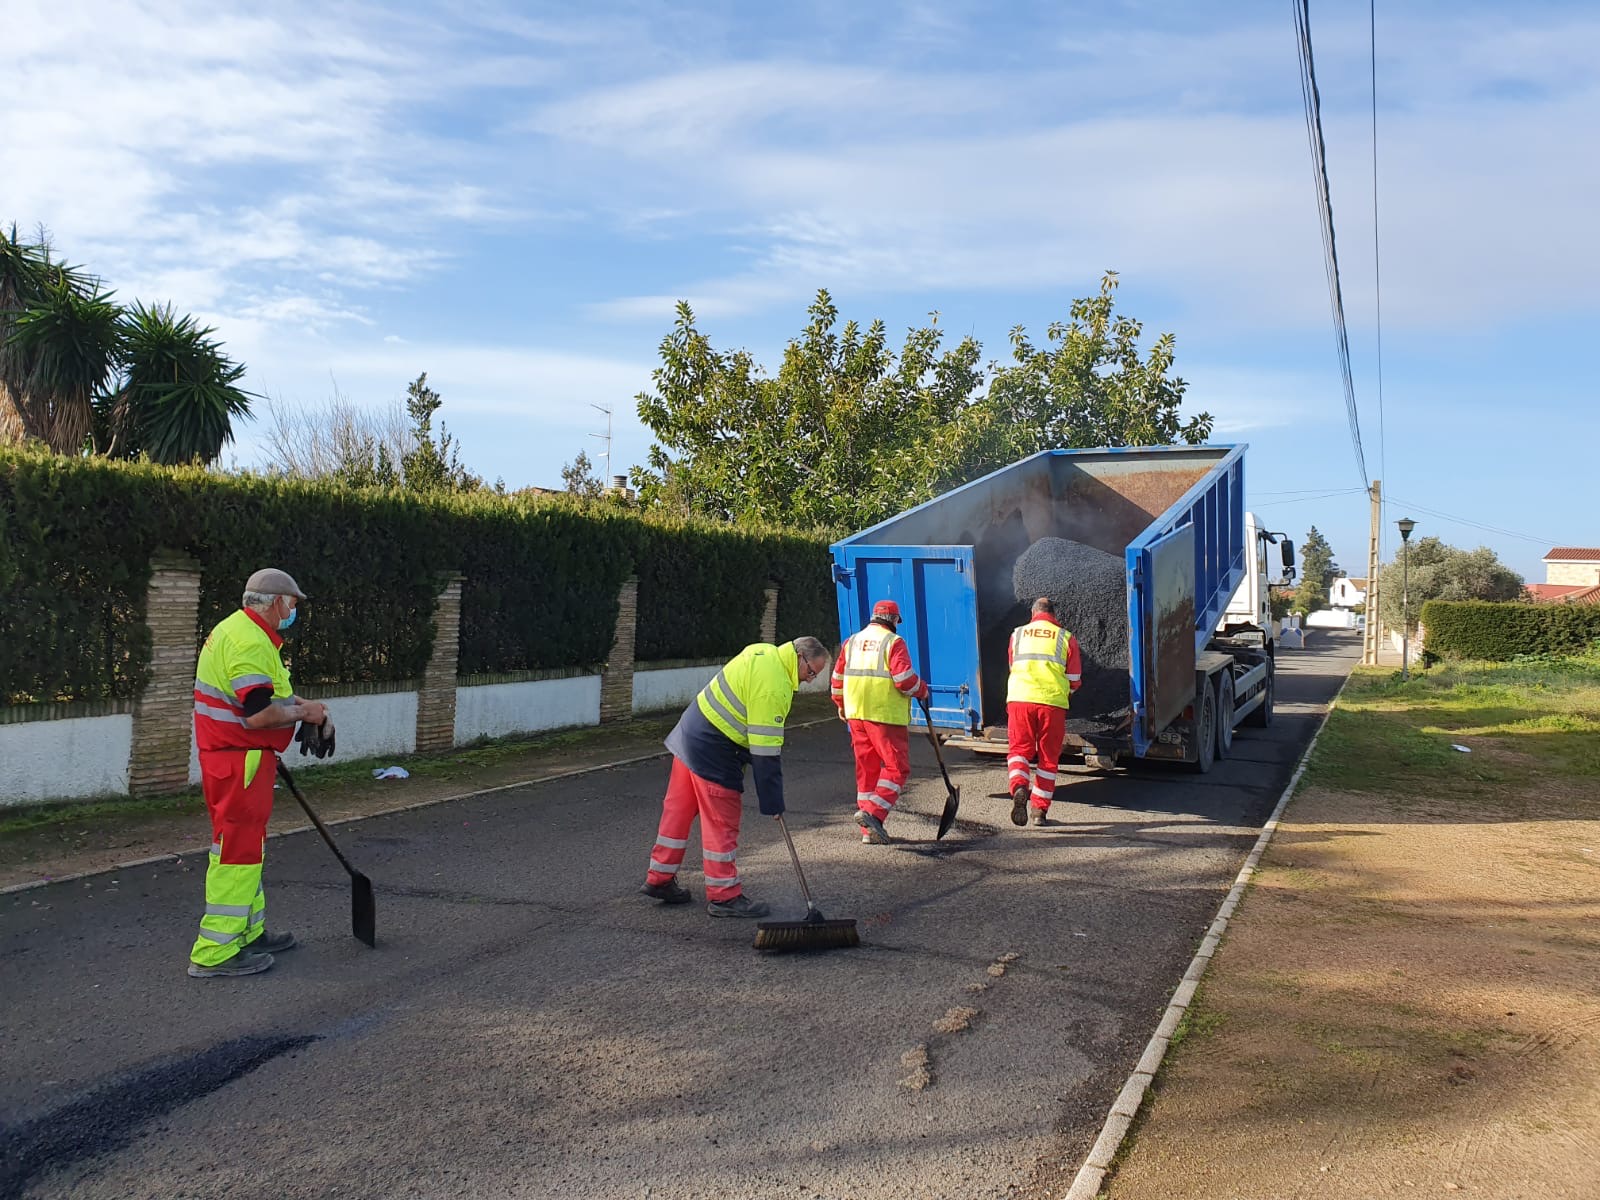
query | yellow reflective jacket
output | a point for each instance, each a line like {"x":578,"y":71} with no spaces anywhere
{"x":1045,"y":665}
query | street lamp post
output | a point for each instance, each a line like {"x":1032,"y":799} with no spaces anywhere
{"x":1405,"y":525}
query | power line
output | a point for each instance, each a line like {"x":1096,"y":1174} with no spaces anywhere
{"x":1308,"y":499}
{"x":1444,"y":516}
{"x":1306,"y":491}
{"x":1330,"y":254}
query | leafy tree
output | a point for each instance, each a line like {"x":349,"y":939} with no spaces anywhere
{"x":1441,"y":572}
{"x":1316,"y":572}
{"x":432,"y":466}
{"x":580,"y":480}
{"x":1091,"y":387}
{"x":850,"y":431}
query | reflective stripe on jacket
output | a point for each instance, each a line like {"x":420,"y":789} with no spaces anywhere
{"x":240,"y":656}
{"x":877,"y":675}
{"x":1045,"y":665}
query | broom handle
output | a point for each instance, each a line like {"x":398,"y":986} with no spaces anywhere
{"x":795,"y":858}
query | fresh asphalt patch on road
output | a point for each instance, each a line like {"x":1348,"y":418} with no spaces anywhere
{"x":528,"y":1025}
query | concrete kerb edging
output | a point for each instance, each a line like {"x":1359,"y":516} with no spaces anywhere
{"x":503,"y":787}
{"x":1092,"y":1174}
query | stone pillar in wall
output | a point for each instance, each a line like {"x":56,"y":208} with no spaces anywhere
{"x":616,"y":681}
{"x":436,"y":700}
{"x":769,"y":615}
{"x":163,"y":715}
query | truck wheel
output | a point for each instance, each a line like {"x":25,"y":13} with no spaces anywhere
{"x":1260,"y":717}
{"x":1224,"y":713}
{"x":1205,"y":732}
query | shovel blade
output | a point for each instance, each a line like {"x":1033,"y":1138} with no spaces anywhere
{"x":948,"y":817}
{"x":363,"y":909}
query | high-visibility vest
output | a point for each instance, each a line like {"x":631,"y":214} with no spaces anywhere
{"x":870,"y":693}
{"x":750,"y":698}
{"x":1039,"y":652}
{"x":237,"y":656}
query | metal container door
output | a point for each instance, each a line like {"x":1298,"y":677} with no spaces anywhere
{"x":1161,"y":633}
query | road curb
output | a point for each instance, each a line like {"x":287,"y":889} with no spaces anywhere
{"x":175,"y":855}
{"x":1092,"y":1174}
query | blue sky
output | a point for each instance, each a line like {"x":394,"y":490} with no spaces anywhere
{"x":512,"y":197}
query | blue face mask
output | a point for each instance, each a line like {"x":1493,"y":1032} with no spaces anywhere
{"x":289,"y":620}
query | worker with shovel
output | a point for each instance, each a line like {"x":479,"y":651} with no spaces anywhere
{"x":1046,"y":669}
{"x":245,"y":711}
{"x":873,"y":686}
{"x":737,"y":719}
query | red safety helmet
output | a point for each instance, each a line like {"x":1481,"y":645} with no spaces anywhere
{"x":886,"y":608}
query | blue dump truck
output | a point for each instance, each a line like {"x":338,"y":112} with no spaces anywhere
{"x":1200,"y":638}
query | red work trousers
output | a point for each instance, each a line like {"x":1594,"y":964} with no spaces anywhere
{"x":1034,"y":733}
{"x":883,"y":764}
{"x":719,"y":809}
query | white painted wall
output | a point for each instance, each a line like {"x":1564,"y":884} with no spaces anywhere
{"x":364,"y":726}
{"x":65,"y":760}
{"x":497,"y":709}
{"x":673,"y":687}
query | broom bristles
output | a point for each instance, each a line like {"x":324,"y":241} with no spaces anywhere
{"x":806,"y":935}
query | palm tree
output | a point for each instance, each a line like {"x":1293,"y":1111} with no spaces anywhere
{"x":60,"y":339}
{"x":178,"y":393}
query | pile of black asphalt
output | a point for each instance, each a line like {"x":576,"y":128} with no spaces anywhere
{"x":1090,"y":592}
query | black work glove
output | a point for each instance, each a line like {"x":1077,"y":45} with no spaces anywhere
{"x":316,"y":740}
{"x":770,"y":808}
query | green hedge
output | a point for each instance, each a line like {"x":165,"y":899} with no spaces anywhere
{"x":77,"y":536}
{"x":702,"y":588}
{"x":1499,"y":631}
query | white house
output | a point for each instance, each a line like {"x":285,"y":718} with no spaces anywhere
{"x":1575,"y":566}
{"x":1347,"y":592}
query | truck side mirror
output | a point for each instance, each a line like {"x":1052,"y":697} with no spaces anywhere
{"x":1288,"y":556}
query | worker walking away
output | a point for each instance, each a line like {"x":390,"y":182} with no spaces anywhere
{"x":245,"y":711}
{"x":1046,"y":669}
{"x":873,"y":686}
{"x":737,"y":719}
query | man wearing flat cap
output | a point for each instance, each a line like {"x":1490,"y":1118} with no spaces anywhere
{"x":245,"y":711}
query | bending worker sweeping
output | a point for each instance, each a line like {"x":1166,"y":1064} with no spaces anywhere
{"x":737,"y":718}
{"x":873,"y":686}
{"x":245,"y":711}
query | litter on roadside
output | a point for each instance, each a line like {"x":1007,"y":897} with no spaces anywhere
{"x":1463,"y":749}
{"x":391,"y":773}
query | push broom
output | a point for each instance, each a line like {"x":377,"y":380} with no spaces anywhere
{"x":814,"y":931}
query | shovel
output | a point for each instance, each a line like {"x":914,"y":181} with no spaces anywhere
{"x":363,"y":909}
{"x":953,"y":799}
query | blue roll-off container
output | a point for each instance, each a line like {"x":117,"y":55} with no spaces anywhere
{"x":1175,"y":516}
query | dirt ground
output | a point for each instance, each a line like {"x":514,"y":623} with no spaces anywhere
{"x":1407,"y":1003}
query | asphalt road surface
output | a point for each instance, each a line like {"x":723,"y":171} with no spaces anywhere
{"x":529,"y":1026}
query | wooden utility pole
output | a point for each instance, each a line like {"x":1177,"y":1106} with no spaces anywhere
{"x":1372,"y":633}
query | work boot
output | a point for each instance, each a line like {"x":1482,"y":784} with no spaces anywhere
{"x":1036,"y":816}
{"x":273,"y":943}
{"x":1019,"y":804}
{"x":246,"y":962}
{"x":872,"y":829}
{"x":740,"y":906}
{"x":670,"y":892}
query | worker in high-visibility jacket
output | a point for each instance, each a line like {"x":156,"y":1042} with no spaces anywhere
{"x":737,"y":719}
{"x":873,"y":686}
{"x":245,"y":711}
{"x":1046,"y":669}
